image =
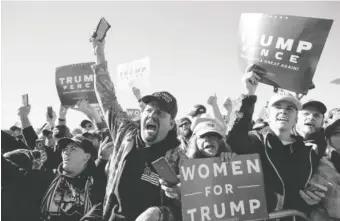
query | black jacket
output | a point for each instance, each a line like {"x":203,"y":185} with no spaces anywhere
{"x":30,"y":191}
{"x":286,"y":170}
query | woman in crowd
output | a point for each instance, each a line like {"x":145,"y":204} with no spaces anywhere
{"x":208,"y":140}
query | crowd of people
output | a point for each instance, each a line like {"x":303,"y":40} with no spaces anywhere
{"x":103,"y":171}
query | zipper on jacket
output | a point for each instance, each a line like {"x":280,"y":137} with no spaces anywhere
{"x":283,"y":185}
{"x":311,"y":167}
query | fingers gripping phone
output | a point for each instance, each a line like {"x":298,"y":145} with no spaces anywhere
{"x":101,"y":30}
{"x":25,"y":100}
{"x":164,"y":171}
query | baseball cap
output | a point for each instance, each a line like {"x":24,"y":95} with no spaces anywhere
{"x":183,"y":120}
{"x":198,"y":109}
{"x":46,"y":132}
{"x":61,"y":131}
{"x":165,"y":99}
{"x":284,"y":96}
{"x":80,"y":141}
{"x":321,"y":107}
{"x":333,"y":121}
{"x":84,"y":122}
{"x":206,"y":124}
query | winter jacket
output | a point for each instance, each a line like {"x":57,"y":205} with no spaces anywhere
{"x":40,"y":191}
{"x":30,"y":136}
{"x":327,"y":175}
{"x":286,"y":169}
{"x":9,"y":143}
{"x":132,"y":185}
{"x":317,"y":138}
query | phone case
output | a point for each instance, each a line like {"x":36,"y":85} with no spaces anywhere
{"x":164,"y":171}
{"x":49,"y":112}
{"x":101,"y":30}
{"x":25,"y":100}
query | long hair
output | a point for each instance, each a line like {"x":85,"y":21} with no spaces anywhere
{"x":193,"y":151}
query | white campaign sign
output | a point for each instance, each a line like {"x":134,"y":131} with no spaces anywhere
{"x":129,"y":73}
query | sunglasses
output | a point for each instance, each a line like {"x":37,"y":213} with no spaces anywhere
{"x":184,"y":124}
{"x":88,"y":126}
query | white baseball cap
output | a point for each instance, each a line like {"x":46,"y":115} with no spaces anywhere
{"x":206,"y":124}
{"x":285,"y":96}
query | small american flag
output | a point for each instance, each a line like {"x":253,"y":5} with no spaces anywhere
{"x":150,"y":176}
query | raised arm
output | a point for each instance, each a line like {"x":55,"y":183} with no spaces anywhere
{"x":239,"y":138}
{"x":27,"y":129}
{"x":62,"y":115}
{"x":212,"y":101}
{"x":105,"y":91}
{"x":138,"y":95}
{"x":229,"y":108}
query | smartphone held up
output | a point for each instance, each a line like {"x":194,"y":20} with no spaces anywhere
{"x":101,"y":30}
{"x":25,"y":100}
{"x":165,"y":172}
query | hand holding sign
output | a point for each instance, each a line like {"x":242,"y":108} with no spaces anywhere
{"x":288,"y":59}
{"x":84,"y":107}
{"x":251,"y":81}
{"x":228,"y":105}
{"x":227,"y":157}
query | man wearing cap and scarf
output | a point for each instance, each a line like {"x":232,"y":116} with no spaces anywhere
{"x":287,"y":161}
{"x":67,"y":195}
{"x":309,"y":124}
{"x":133,"y":190}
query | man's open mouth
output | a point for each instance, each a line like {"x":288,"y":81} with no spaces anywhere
{"x":151,"y":126}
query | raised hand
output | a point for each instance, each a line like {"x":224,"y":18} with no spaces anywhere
{"x":105,"y":149}
{"x":84,"y":107}
{"x":98,"y":47}
{"x":212,"y":100}
{"x":24,"y":111}
{"x":62,"y":112}
{"x":136,"y":92}
{"x":227,"y":156}
{"x":228,"y":105}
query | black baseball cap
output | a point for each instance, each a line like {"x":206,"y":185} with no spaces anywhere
{"x":321,"y":107}
{"x":80,"y":141}
{"x":165,"y":99}
{"x":46,"y":132}
{"x":14,"y":128}
{"x":198,"y":109}
{"x":84,"y":122}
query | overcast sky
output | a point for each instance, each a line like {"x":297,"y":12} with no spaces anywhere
{"x":192,"y":48}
